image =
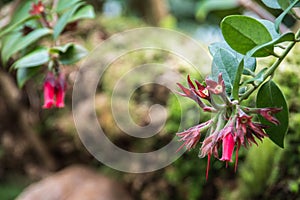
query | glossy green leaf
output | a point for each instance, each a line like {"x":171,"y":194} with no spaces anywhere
{"x":243,"y":33}
{"x":283,"y":14}
{"x":23,"y":11}
{"x":272,"y":4}
{"x":72,"y":55}
{"x":17,"y":42}
{"x":264,"y":49}
{"x":65,"y":4}
{"x":85,"y":12}
{"x":64,"y":19}
{"x":24,"y":74}
{"x":33,"y":59}
{"x":249,"y":62}
{"x":270,"y":95}
{"x":271,"y":28}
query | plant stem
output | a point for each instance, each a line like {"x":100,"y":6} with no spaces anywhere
{"x":273,"y":68}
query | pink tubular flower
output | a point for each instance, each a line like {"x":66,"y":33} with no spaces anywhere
{"x":60,"y":88}
{"x":37,"y":9}
{"x":227,"y":147}
{"x":49,"y":90}
{"x":216,"y":87}
{"x":267,"y":114}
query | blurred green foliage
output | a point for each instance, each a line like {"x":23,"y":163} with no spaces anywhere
{"x":12,"y":186}
{"x":264,"y":172}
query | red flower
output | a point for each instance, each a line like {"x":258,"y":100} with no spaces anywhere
{"x":196,"y":94}
{"x":267,"y":114}
{"x":49,"y":90}
{"x":54,"y":91}
{"x":60,"y":88}
{"x":37,"y":9}
{"x":201,"y":90}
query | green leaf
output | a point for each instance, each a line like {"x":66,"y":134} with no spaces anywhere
{"x":85,"y":12}
{"x":33,"y":59}
{"x":64,"y":19}
{"x":23,"y":11}
{"x":61,"y":49}
{"x":271,"y":28}
{"x":243,"y":33}
{"x":24,"y":74}
{"x":272,"y":4}
{"x":264,"y":49}
{"x":19,"y":42}
{"x":283,"y":14}
{"x":237,"y":79}
{"x":249,"y":62}
{"x":270,"y":95}
{"x":72,"y":55}
{"x":65,"y":4}
{"x":12,"y":27}
{"x":224,"y":62}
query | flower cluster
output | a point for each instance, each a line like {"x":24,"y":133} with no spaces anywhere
{"x":231,"y":127}
{"x":54,"y":90}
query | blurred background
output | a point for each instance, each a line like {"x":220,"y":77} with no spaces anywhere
{"x":36,"y":144}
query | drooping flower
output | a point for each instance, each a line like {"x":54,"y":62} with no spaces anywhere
{"x":49,"y":90}
{"x":60,"y":88}
{"x":227,"y":147}
{"x":37,"y":8}
{"x":212,"y":143}
{"x":267,"y":113}
{"x":54,"y":90}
